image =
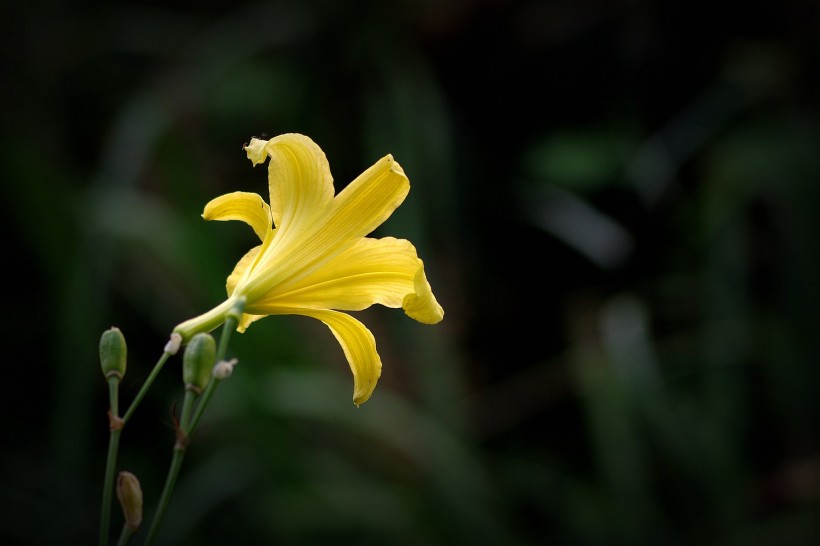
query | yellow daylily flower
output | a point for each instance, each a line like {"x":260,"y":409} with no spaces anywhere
{"x":315,"y":258}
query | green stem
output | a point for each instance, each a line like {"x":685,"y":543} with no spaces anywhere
{"x":116,"y":424}
{"x":145,"y":386}
{"x":170,"y":482}
{"x":187,"y":422}
{"x":125,"y":536}
{"x":187,"y":406}
{"x":200,"y":408}
{"x":173,"y":471}
{"x":210,"y":388}
{"x":230,"y":325}
{"x":111,"y":459}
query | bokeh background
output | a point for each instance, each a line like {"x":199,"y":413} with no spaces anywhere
{"x":616,"y":202}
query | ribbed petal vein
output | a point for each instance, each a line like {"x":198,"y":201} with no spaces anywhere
{"x":361,"y":207}
{"x":372,"y":271}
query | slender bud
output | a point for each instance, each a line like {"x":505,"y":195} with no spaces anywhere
{"x":113,"y":353}
{"x":129,"y":493}
{"x":198,"y":361}
{"x":224,"y":368}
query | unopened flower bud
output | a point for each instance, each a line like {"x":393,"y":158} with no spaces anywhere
{"x":113,"y":353}
{"x":129,"y":493}
{"x":224,"y":368}
{"x":198,"y":361}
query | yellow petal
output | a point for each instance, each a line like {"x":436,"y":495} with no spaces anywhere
{"x":247,"y":207}
{"x":359,"y":347}
{"x":318,"y":258}
{"x":246,"y":321}
{"x":360,"y":208}
{"x":421,"y":304}
{"x":299,"y":180}
{"x":369,"y":200}
{"x":379,"y":271}
{"x":241,"y":268}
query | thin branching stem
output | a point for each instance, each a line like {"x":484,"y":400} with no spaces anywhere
{"x":125,"y":535}
{"x":188,"y":421}
{"x":145,"y":386}
{"x":173,"y":471}
{"x":111,"y":459}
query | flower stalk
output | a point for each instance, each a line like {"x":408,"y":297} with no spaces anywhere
{"x":201,"y":356}
{"x":115,"y":425}
{"x":113,"y":362}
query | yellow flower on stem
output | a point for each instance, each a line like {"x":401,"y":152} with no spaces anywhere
{"x":315,"y":258}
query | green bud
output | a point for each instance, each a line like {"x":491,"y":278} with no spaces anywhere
{"x":198,"y":361}
{"x":113,"y":353}
{"x":129,"y":493}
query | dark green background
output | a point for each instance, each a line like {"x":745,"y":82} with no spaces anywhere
{"x":616,"y":203}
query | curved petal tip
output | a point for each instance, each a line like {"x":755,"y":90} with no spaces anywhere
{"x":421,"y":305}
{"x":256,"y":150}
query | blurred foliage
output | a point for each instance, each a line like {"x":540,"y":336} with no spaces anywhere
{"x":617,"y":206}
